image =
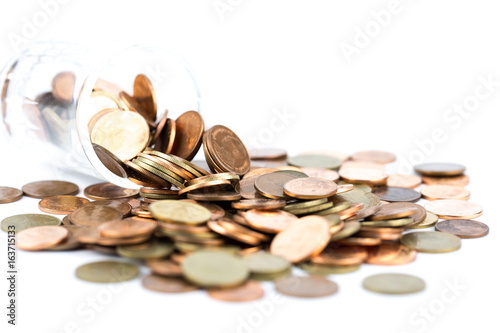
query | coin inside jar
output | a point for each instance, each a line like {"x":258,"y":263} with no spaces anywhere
{"x":309,"y":188}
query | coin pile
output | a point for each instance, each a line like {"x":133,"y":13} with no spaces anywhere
{"x":257,"y":215}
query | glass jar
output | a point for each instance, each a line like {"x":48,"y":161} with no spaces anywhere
{"x":46,"y":102}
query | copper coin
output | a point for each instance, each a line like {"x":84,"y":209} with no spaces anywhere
{"x":92,"y":216}
{"x":394,"y":210}
{"x":9,"y":194}
{"x":384,"y":233}
{"x":360,"y":241}
{"x":390,"y":254}
{"x":215,"y":226}
{"x":321,"y":173}
{"x":462,"y":180}
{"x":309,"y":188}
{"x":129,"y":227}
{"x":364,"y":213}
{"x":70,"y":243}
{"x":214,"y":184}
{"x":262,"y":204}
{"x":143,"y":177}
{"x":214,"y":196}
{"x":440,"y":169}
{"x":249,"y":291}
{"x":454,"y":209}
{"x":403,"y":180}
{"x":189,"y":132}
{"x":463,"y":228}
{"x":120,"y":204}
{"x":165,"y":284}
{"x":110,"y":161}
{"x":375,"y":156}
{"x":63,"y":85}
{"x":441,"y":192}
{"x":305,"y":286}
{"x":267,"y":154}
{"x":103,"y":191}
{"x":302,"y":239}
{"x":315,"y":161}
{"x":160,"y":126}
{"x":336,"y":254}
{"x":145,"y":95}
{"x":269,"y":221}
{"x":257,"y":172}
{"x":364,"y":173}
{"x":246,"y":188}
{"x":132,"y":104}
{"x":227,"y":150}
{"x":49,"y":188}
{"x":164,"y":267}
{"x":41,"y":237}
{"x":396,"y":194}
{"x":61,"y":204}
{"x":271,"y":185}
{"x":232,"y":226}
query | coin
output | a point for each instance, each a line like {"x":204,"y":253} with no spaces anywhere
{"x":262,"y":204}
{"x":214,"y":196}
{"x":394,"y":210}
{"x":25,"y":221}
{"x":393,"y":283}
{"x":145,"y":95}
{"x":63,"y":85}
{"x":403,"y":180}
{"x":189,"y":132}
{"x":9,"y":194}
{"x":305,"y":286}
{"x":396,"y":194}
{"x":119,"y":204}
{"x":349,"y":229}
{"x":148,"y":250}
{"x":269,"y":221}
{"x":104,"y":191}
{"x":309,"y":188}
{"x":70,"y":243}
{"x":257,"y":154}
{"x":317,"y":269}
{"x":354,"y":196}
{"x":214,"y":269}
{"x":440,"y":169}
{"x":442,"y":192}
{"x":336,"y":254}
{"x":107,"y":271}
{"x":249,"y":291}
{"x":364,"y":213}
{"x":233,"y":234}
{"x":49,"y":188}
{"x":463,"y":228}
{"x":364,"y":173}
{"x":429,"y":221}
{"x":227,"y":150}
{"x":431,"y":241}
{"x":317,"y":209}
{"x":462,"y":180}
{"x":266,"y":263}
{"x":454,"y":209}
{"x":124,"y":133}
{"x":61,"y":204}
{"x":129,"y":227}
{"x":271,"y":185}
{"x":164,"y":267}
{"x":40,"y":237}
{"x":315,"y":161}
{"x":389,"y":223}
{"x":166,"y":284}
{"x":179,"y":212}
{"x":384,"y":233}
{"x":302,"y":239}
{"x":390,"y":254}
{"x":375,"y":156}
{"x":110,"y":161}
{"x":321,"y":173}
{"x":92,"y":216}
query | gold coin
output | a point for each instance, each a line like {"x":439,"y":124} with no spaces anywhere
{"x":302,"y":239}
{"x":20,"y":222}
{"x":240,"y":237}
{"x":429,"y":221}
{"x":179,"y":212}
{"x":41,"y":237}
{"x":124,"y":133}
{"x":306,"y":286}
{"x":431,"y":241}
{"x":269,"y":221}
{"x":309,"y":188}
{"x":107,"y":271}
{"x":442,"y":192}
{"x":336,"y":254}
{"x":61,"y":204}
{"x":454,"y":209}
{"x":164,"y":267}
{"x":148,"y":250}
{"x":204,"y":185}
{"x":388,"y":223}
{"x":349,"y":229}
{"x":394,"y":210}
{"x":393,"y":283}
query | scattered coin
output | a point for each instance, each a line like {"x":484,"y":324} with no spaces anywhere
{"x":179,"y":212}
{"x":249,"y":291}
{"x":454,"y":209}
{"x":61,"y":204}
{"x":269,"y":221}
{"x":429,"y":221}
{"x":403,"y":180}
{"x":257,"y":154}
{"x":266,"y":263}
{"x":390,"y":254}
{"x":443,"y":192}
{"x":321,"y":173}
{"x":103,"y":191}
{"x":315,"y":161}
{"x":262,"y":204}
{"x":440,"y":169}
{"x":167,"y":284}
{"x":396,"y":194}
{"x":306,"y":286}
{"x":463,"y":228}
{"x":49,"y":188}
{"x":40,"y":237}
{"x":337,"y":254}
{"x":107,"y":271}
{"x":462,"y":180}
{"x":309,"y":188}
{"x":376,"y":156}
{"x":431,"y":241}
{"x":25,"y":221}
{"x":9,"y":194}
{"x":148,"y":250}
{"x":129,"y":227}
{"x":271,"y":185}
{"x":393,"y":283}
{"x":92,"y":216}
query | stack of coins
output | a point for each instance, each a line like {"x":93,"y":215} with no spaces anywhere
{"x":245,"y":220}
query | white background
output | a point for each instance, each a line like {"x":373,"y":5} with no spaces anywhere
{"x":260,"y":56}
